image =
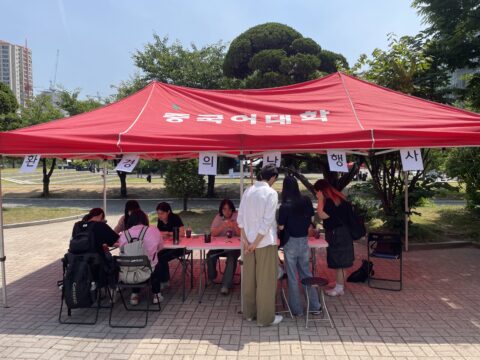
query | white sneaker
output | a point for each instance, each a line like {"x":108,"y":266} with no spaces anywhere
{"x":224,"y":291}
{"x":335,"y":292}
{"x":164,"y":285}
{"x":278,"y":320}
{"x":134,"y":298}
{"x":157,"y":298}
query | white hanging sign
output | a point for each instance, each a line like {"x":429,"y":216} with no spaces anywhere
{"x":30,"y":163}
{"x":337,"y":160}
{"x":411,"y":159}
{"x":128,"y":163}
{"x":273,"y":157}
{"x":207,"y":163}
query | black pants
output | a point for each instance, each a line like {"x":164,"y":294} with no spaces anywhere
{"x":155,"y":279}
{"x":164,"y":256}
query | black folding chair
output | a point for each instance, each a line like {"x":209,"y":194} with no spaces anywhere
{"x":386,"y":246}
{"x":97,"y":268}
{"x":132,"y":262}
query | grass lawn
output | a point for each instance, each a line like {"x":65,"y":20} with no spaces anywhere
{"x":27,"y":214}
{"x":441,"y":223}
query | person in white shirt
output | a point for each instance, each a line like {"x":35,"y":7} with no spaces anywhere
{"x":256,"y":219}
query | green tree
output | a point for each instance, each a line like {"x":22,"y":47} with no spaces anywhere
{"x":464,"y":164}
{"x":182,"y":180}
{"x":406,"y":67}
{"x":274,"y":54}
{"x":454,"y":28}
{"x":175,"y":64}
{"x":40,"y":110}
{"x":73,"y":106}
{"x":8,"y":102}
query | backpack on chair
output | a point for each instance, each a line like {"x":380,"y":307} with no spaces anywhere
{"x":134,"y":247}
{"x":79,"y":288}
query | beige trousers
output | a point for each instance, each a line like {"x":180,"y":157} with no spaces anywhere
{"x":260,"y":270}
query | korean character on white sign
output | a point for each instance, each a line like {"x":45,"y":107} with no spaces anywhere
{"x":274,"y":158}
{"x":207,"y":163}
{"x":411,"y":159}
{"x":175,"y":117}
{"x":127,"y":163}
{"x":281,"y":119}
{"x":337,"y":160}
{"x":240,"y":118}
{"x":314,"y":115}
{"x":217,"y":119}
{"x":30,"y":163}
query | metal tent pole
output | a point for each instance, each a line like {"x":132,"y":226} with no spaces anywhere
{"x":407,"y":210}
{"x":105,"y":187}
{"x":241,"y":157}
{"x":2,"y":247}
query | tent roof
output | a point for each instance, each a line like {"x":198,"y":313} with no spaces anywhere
{"x":334,"y":112}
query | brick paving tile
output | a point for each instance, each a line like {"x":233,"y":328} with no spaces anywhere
{"x":435,"y":316}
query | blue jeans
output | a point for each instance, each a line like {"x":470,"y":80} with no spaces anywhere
{"x":296,"y":257}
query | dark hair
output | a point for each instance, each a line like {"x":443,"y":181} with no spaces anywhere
{"x":163,"y":206}
{"x":130,"y":206}
{"x":329,"y":191}
{"x":226,"y":202}
{"x":137,"y":217}
{"x":290,"y":190}
{"x":268,"y":171}
{"x":93,"y":213}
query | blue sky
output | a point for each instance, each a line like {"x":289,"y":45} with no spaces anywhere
{"x":96,"y":38}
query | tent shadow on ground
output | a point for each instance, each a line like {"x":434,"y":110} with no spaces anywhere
{"x":439,"y":305}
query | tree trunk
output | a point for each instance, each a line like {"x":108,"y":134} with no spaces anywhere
{"x":123,"y":183}
{"x":211,"y":186}
{"x":185,"y":199}
{"x":46,"y":176}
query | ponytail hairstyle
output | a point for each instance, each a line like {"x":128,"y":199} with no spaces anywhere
{"x":329,"y":192}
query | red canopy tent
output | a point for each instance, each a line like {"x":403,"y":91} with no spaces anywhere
{"x":335,"y":112}
{"x":162,"y":121}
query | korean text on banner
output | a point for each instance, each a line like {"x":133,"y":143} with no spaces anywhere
{"x":207,"y":163}
{"x":337,"y":160}
{"x":30,"y":163}
{"x":411,"y":159}
{"x":128,"y":163}
{"x":274,"y":158}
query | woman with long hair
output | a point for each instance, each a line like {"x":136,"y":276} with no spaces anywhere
{"x":130,"y":206}
{"x":333,"y":209}
{"x":294,"y":218}
{"x":224,"y":223}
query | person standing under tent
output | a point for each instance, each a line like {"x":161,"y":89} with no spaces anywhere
{"x":256,"y":219}
{"x":333,"y":209}
{"x":295,"y":217}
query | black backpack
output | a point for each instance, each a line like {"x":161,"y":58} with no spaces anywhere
{"x":361,"y":274}
{"x":356,"y":224}
{"x":83,"y":240}
{"x":79,"y":288}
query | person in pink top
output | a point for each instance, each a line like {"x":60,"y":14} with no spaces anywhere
{"x":152,"y":244}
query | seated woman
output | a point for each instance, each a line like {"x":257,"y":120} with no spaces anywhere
{"x":93,"y":231}
{"x":167,"y":220}
{"x":224,"y":221}
{"x":152,"y":244}
{"x":130,"y":205}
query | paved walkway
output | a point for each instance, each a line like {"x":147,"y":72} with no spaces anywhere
{"x":436,"y":316}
